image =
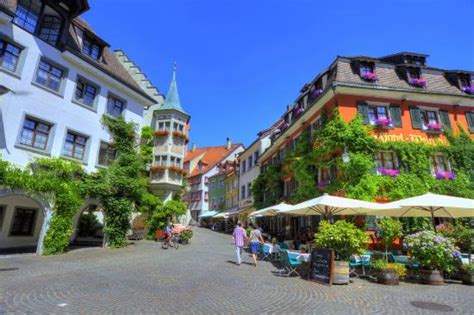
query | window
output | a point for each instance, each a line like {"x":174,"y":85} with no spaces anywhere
{"x":324,"y":177}
{"x":49,"y":76}
{"x":2,"y":214}
{"x":200,"y":166}
{"x":244,"y":166}
{"x":50,"y":29}
{"x":174,"y":161}
{"x":75,"y":146}
{"x":91,"y":48}
{"x":249,"y":190}
{"x":385,"y":160}
{"x":413,"y":74}
{"x":85,"y":92}
{"x":115,"y":106}
{"x":161,"y":160}
{"x":23,"y":222}
{"x":439,"y":164}
{"x":107,"y":154}
{"x":366,"y":68}
{"x":9,"y":55}
{"x":35,"y":133}
{"x":255,"y":156}
{"x":27,"y":14}
{"x":250,"y":162}
{"x":243,"y":192}
{"x":378,"y":115}
{"x":431,"y":120}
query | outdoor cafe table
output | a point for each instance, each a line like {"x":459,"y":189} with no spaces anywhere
{"x":303,"y":257}
{"x":272,"y":249}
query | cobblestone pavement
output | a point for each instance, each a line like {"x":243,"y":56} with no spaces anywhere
{"x":199,"y":278}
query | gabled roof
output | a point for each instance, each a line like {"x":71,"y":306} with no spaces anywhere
{"x":212,"y":156}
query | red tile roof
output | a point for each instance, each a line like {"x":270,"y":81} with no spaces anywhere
{"x":212,"y":156}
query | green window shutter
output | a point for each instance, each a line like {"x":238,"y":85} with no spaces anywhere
{"x":415,"y":115}
{"x":470,"y":121}
{"x":396,"y":115}
{"x":444,"y":118}
{"x":363,"y":111}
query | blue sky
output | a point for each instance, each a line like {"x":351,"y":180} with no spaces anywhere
{"x":241,"y":62}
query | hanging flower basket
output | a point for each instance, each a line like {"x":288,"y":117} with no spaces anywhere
{"x":157,"y":168}
{"x":445,"y":176}
{"x":469,"y":89}
{"x":417,"y":82}
{"x":369,"y":76}
{"x":389,"y":172}
{"x":161,"y":133}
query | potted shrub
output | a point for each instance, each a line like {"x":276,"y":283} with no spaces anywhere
{"x":388,"y":230}
{"x":346,"y":240}
{"x":466,"y":274}
{"x":435,"y":254}
{"x":388,"y":273}
{"x":185,"y":236}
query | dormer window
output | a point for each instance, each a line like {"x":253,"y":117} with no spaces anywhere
{"x":415,"y":60}
{"x":91,"y":48}
{"x":367,"y":71}
{"x":50,"y":29}
{"x":414,"y":77}
{"x":466,"y":84}
{"x":27,"y":14}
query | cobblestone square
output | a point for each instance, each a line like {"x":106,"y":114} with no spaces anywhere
{"x":199,"y":278}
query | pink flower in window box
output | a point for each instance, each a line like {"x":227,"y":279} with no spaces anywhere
{"x":383,"y":122}
{"x":370,"y":76}
{"x":417,"y":82}
{"x":445,"y":175}
{"x":389,"y":172}
{"x":469,"y":89}
{"x":434,"y":126}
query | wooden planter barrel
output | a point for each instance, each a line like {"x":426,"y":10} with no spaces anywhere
{"x":387,"y":277}
{"x":341,"y":272}
{"x":432,"y":277}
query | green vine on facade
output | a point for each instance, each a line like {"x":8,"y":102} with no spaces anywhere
{"x":357,"y":177}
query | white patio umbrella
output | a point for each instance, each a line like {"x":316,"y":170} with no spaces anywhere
{"x":272,"y":210}
{"x":429,"y":205}
{"x":328,"y":205}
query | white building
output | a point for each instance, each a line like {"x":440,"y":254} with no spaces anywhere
{"x":57,"y":79}
{"x":249,"y":169}
{"x":202,"y":163}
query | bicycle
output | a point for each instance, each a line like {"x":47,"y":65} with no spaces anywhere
{"x":173,"y":242}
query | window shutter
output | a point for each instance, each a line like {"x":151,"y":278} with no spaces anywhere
{"x":470,"y":121}
{"x":396,"y":115}
{"x":363,"y":111}
{"x":415,"y":115}
{"x":444,"y":118}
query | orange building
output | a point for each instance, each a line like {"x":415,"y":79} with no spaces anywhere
{"x":400,"y":94}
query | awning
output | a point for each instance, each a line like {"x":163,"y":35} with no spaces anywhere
{"x":208,"y":214}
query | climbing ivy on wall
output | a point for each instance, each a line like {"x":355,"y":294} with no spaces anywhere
{"x":357,"y":178}
{"x":59,"y":181}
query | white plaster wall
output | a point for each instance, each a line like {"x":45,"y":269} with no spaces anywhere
{"x":10,"y":203}
{"x":58,"y":110}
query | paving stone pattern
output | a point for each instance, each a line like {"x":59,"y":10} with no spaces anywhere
{"x":199,"y":278}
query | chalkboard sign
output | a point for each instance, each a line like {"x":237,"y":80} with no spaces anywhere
{"x":322,"y":266}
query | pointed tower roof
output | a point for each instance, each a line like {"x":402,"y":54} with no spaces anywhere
{"x":172,"y":98}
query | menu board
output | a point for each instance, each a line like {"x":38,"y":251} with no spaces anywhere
{"x":322,"y":266}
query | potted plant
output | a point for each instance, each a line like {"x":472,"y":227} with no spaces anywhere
{"x":388,"y":273}
{"x":387,"y":231}
{"x":389,"y":172}
{"x":161,"y":133}
{"x":466,"y":274}
{"x":435,"y":254}
{"x":417,"y":82}
{"x":185,"y":236}
{"x":346,"y":240}
{"x":369,"y":76}
{"x":445,"y":175}
{"x":383,"y":122}
{"x":469,"y":89}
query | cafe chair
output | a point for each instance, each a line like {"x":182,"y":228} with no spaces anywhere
{"x":289,"y":265}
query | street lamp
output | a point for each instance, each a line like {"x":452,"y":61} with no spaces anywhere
{"x":345,"y":156}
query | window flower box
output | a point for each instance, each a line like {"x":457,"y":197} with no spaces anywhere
{"x":469,"y":89}
{"x":445,"y":175}
{"x":389,"y":172}
{"x":323,"y":184}
{"x":177,"y":170}
{"x":181,"y":135}
{"x":157,"y":168}
{"x":162,"y":133}
{"x":383,"y":122}
{"x":369,"y":76}
{"x":417,"y":82}
{"x":433,"y":127}
{"x":298,"y":111}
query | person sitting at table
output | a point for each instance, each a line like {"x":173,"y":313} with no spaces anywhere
{"x":303,"y":250}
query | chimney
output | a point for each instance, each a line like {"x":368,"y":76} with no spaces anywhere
{"x":193,"y":147}
{"x":229,"y":144}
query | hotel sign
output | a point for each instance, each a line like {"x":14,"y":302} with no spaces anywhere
{"x":385,"y":137}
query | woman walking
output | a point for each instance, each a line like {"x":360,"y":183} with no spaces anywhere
{"x":256,"y":240}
